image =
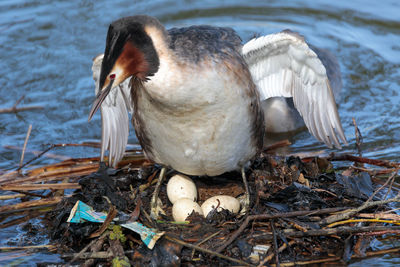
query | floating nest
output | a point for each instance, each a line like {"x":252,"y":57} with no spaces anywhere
{"x":303,"y":211}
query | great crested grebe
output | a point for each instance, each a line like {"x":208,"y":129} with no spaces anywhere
{"x":196,"y":94}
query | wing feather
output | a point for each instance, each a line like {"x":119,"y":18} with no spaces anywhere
{"x":114,"y":117}
{"x":284,"y":65}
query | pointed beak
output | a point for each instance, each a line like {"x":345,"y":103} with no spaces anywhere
{"x":101,"y":95}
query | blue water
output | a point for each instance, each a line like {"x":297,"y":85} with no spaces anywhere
{"x":46,"y":51}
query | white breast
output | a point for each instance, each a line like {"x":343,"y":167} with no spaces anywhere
{"x":198,"y":120}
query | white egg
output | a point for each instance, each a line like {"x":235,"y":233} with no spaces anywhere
{"x":181,"y":186}
{"x":223,"y":201}
{"x":183,"y":207}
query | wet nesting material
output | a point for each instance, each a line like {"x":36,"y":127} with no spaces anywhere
{"x":292,"y":218}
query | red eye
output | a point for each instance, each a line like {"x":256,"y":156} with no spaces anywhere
{"x":112,"y":76}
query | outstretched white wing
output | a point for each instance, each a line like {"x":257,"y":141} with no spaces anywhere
{"x":114,"y":117}
{"x":282,"y":64}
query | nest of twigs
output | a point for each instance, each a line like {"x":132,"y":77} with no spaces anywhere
{"x":302,"y":212}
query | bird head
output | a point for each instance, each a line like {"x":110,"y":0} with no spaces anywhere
{"x":129,"y":52}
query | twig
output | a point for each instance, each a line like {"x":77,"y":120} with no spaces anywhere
{"x":18,"y":101}
{"x":331,"y":231}
{"x":391,"y":179}
{"x":97,"y":246}
{"x":275,"y":242}
{"x":150,"y":181}
{"x":311,"y":262}
{"x":273,"y":216}
{"x":377,"y":162}
{"x":382,"y":215}
{"x":276,"y":145}
{"x":37,"y":152}
{"x":147,"y":216}
{"x":26,"y":187}
{"x":79,"y":255}
{"x":54,"y":172}
{"x":368,"y":254}
{"x":92,"y":144}
{"x":95,"y":255}
{"x":85,"y":144}
{"x":394,"y":186}
{"x":364,"y":220}
{"x":379,"y":252}
{"x":116,"y":248}
{"x":15,"y":109}
{"x":139,"y":158}
{"x":136,"y":212}
{"x":183,"y":243}
{"x":28,"y":216}
{"x":374,"y":172}
{"x":24,"y":147}
{"x":30,"y":204}
{"x":308,"y":156}
{"x":48,"y":149}
{"x":378,"y":233}
{"x":5,"y":197}
{"x":381,"y":187}
{"x":27,"y":247}
{"x":389,"y":211}
{"x":32,"y":194}
{"x":35,"y":158}
{"x":281,"y":248}
{"x":205,"y":240}
{"x":90,"y":255}
{"x":361,"y":244}
{"x":350,"y":212}
{"x":359,"y":138}
{"x":110,"y":216}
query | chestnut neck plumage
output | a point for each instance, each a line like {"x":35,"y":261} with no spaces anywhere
{"x":129,"y":47}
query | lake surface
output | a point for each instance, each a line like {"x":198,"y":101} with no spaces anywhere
{"x":46,"y":51}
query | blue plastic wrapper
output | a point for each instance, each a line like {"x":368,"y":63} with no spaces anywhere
{"x":82,"y":212}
